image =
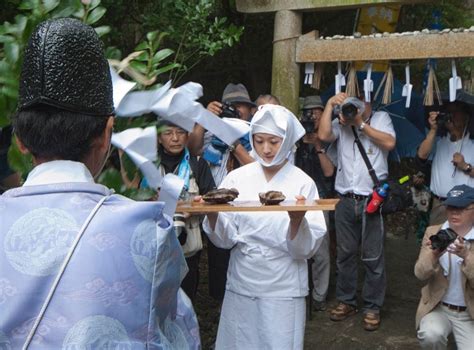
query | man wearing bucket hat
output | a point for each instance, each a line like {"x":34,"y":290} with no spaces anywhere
{"x":447,"y":299}
{"x":450,"y":144}
{"x":80,"y":266}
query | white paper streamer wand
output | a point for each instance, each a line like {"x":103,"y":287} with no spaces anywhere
{"x":309,"y":72}
{"x":407,"y":88}
{"x":368,"y":83}
{"x":455,"y":82}
{"x":340,"y":79}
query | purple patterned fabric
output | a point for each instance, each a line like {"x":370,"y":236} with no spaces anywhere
{"x":121,"y":287}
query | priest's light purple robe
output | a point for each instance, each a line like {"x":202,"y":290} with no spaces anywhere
{"x":120,"y":289}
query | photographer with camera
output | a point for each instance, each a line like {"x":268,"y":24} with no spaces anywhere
{"x":450,"y":143}
{"x":354,"y":226}
{"x":446,"y":265}
{"x":221,"y":157}
{"x":311,"y":157}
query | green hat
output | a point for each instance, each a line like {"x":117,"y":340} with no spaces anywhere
{"x":311,"y":102}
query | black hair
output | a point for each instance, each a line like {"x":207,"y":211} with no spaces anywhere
{"x":52,"y":133}
{"x":461,"y":106}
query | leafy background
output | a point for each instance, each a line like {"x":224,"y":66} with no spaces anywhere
{"x":152,"y":42}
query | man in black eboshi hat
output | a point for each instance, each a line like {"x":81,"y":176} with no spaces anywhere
{"x":83,"y":267}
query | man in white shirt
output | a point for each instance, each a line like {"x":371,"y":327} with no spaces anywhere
{"x":353,"y":183}
{"x":447,"y":299}
{"x":450,"y":141}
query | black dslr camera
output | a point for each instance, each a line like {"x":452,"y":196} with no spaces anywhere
{"x":307,"y":121}
{"x":229,"y":111}
{"x":348,"y":110}
{"x":443,"y":239}
{"x":443,"y":118}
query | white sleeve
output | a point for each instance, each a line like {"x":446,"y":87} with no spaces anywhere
{"x":336,"y":128}
{"x":224,"y":232}
{"x":311,"y":231}
{"x":383,"y":122}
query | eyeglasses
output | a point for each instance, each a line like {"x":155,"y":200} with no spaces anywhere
{"x":171,"y":133}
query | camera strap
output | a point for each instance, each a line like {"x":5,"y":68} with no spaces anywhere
{"x":372,"y":173}
{"x":60,"y":274}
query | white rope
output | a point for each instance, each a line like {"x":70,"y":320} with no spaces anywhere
{"x":61,"y":272}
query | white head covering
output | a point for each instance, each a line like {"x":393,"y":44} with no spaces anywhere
{"x":278,"y":121}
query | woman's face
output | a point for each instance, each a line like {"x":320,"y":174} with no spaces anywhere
{"x":266,"y":146}
{"x":173,"y":139}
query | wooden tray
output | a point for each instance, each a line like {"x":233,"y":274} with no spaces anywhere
{"x":197,"y":207}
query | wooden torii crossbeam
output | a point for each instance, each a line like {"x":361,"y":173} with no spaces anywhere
{"x":289,"y":49}
{"x":404,"y":47}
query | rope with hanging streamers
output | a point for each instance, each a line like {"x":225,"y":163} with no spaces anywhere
{"x":318,"y":73}
{"x":431,"y":88}
{"x":389,"y":88}
{"x":352,"y":88}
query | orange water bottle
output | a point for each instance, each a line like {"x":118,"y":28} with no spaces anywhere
{"x":377,"y":198}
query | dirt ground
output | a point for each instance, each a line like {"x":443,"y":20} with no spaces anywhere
{"x":397,"y":330}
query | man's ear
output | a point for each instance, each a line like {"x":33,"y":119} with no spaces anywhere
{"x":21,"y":146}
{"x":104,"y":139}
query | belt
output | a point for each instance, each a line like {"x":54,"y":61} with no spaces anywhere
{"x":438,"y":197}
{"x":357,"y":197}
{"x":455,"y":307}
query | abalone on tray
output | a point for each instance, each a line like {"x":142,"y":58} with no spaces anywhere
{"x":221,"y":195}
{"x":271,"y":197}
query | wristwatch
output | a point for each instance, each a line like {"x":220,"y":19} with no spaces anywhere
{"x":321,"y":151}
{"x":361,"y":126}
{"x":467,"y":169}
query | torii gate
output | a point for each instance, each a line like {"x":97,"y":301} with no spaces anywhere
{"x":291,"y":48}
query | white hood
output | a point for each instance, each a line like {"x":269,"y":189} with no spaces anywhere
{"x":279,"y":121}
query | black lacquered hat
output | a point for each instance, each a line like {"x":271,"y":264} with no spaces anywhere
{"x":64,"y":66}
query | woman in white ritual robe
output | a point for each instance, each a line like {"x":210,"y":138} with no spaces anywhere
{"x":267,"y":279}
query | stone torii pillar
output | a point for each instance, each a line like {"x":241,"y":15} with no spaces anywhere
{"x":287,"y":29}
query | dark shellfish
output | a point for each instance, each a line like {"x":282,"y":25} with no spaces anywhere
{"x":271,"y":197}
{"x":221,"y":195}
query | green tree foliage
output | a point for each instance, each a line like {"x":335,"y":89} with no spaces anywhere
{"x":190,"y":28}
{"x":195,"y":29}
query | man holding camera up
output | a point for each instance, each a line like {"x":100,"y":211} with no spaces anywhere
{"x":446,"y":264}
{"x":354,"y":185}
{"x":221,"y":157}
{"x":451,"y":139}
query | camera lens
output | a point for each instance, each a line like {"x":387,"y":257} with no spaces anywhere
{"x":229,"y":111}
{"x":349,"y":111}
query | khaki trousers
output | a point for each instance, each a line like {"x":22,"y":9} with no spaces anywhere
{"x":436,"y":326}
